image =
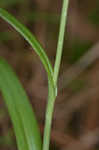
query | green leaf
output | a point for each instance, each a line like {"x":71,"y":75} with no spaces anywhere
{"x":32,"y":41}
{"x":24,"y":122}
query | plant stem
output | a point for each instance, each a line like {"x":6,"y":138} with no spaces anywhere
{"x":60,"y":39}
{"x":51,"y":96}
{"x":48,"y":119}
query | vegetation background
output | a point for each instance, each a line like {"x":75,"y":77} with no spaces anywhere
{"x":76,"y":115}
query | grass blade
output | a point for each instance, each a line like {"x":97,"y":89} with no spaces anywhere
{"x":19,"y":108}
{"x":28,"y":36}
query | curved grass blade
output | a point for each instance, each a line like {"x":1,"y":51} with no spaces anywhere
{"x":32,"y":41}
{"x":19,"y":108}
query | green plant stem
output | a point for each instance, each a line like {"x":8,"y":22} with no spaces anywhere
{"x":48,"y":119}
{"x":51,"y":96}
{"x":60,"y":39}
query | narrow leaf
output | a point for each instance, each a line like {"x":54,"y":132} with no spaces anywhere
{"x":23,"y":118}
{"x":32,"y":41}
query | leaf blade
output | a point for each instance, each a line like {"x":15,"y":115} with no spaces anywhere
{"x":23,"y":118}
{"x":30,"y":38}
